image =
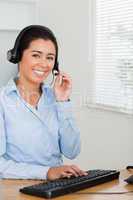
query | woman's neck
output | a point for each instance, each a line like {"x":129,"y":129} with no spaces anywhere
{"x":30,"y":92}
{"x":27,"y":86}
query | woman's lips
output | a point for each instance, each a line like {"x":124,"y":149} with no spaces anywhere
{"x":39,"y":72}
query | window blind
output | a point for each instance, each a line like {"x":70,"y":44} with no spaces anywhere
{"x":114,"y":54}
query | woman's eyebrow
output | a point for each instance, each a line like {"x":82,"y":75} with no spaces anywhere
{"x":51,"y":54}
{"x":40,"y":52}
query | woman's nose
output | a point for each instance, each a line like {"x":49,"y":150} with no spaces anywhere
{"x":44,"y":62}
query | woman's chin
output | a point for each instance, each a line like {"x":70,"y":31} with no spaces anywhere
{"x":38,"y":80}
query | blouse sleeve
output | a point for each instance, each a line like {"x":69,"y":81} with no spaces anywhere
{"x":69,"y":133}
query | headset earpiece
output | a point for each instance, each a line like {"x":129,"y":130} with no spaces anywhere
{"x":12,"y":57}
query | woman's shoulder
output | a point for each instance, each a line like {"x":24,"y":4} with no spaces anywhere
{"x":2,"y":91}
{"x":2,"y":96}
{"x":8,"y":87}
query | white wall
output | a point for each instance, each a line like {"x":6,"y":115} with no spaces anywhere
{"x":107,"y":137}
{"x":14,"y":15}
{"x":6,"y":69}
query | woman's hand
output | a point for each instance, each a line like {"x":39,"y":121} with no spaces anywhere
{"x":64,"y":171}
{"x":62,"y":86}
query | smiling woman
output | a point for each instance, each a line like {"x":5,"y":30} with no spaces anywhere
{"x":36,"y":119}
{"x":40,"y":58}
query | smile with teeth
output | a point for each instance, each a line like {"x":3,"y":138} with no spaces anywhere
{"x":39,"y":72}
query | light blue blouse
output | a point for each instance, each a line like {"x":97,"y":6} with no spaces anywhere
{"x":33,"y":140}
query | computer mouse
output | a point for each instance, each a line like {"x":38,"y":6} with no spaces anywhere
{"x":129,"y":179}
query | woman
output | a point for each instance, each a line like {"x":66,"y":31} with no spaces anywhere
{"x":36,"y":123}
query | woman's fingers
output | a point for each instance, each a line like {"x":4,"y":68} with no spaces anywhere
{"x":62,"y":77}
{"x":58,"y":80}
{"x":73,"y":170}
{"x":66,"y":77}
{"x":78,"y":170}
{"x":66,"y":174}
{"x":64,"y":171}
{"x":70,"y":170}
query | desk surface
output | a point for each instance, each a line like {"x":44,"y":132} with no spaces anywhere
{"x":9,"y":190}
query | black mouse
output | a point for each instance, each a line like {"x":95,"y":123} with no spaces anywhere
{"x":129,"y":179}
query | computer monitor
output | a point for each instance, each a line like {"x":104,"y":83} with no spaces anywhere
{"x":129,"y":167}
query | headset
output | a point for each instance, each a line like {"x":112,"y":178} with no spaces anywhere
{"x":13,"y":54}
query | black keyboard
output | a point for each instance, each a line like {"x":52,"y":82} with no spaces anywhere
{"x":58,"y":187}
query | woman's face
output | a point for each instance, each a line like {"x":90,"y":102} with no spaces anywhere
{"x":37,"y":61}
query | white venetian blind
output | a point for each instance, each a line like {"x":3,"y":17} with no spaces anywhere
{"x":114,"y":54}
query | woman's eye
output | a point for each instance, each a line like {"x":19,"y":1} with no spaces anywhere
{"x":50,"y":58}
{"x":36,"y":56}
